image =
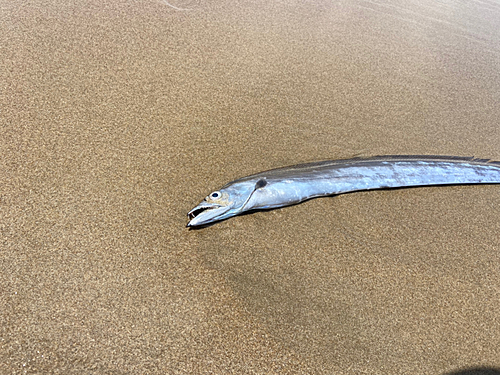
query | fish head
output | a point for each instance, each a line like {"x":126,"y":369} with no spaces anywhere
{"x":221,"y":204}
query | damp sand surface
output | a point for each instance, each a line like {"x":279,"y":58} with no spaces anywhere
{"x":117,"y":117}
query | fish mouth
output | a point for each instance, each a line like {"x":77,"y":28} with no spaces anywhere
{"x":198,"y":210}
{"x":206,"y":213}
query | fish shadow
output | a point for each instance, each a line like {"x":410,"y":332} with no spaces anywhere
{"x":476,"y":371}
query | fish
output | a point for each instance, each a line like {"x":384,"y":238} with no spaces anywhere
{"x":294,"y":184}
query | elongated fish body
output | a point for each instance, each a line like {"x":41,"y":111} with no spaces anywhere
{"x":291,"y":185}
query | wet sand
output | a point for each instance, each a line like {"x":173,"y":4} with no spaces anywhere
{"x":117,"y":117}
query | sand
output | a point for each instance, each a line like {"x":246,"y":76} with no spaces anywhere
{"x":118,"y":116}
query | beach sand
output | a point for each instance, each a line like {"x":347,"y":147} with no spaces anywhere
{"x":118,"y":116}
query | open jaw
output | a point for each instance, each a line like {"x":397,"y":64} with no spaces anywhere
{"x":198,"y":210}
{"x":206,"y":213}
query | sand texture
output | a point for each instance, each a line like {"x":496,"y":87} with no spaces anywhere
{"x":118,"y":116}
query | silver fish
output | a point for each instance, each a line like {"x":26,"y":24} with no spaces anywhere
{"x":291,"y":185}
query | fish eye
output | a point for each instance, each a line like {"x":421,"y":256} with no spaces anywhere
{"x":215,"y":195}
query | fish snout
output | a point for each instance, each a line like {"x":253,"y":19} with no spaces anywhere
{"x":205,"y":213}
